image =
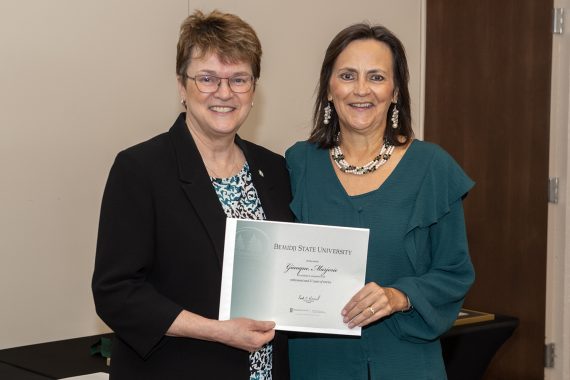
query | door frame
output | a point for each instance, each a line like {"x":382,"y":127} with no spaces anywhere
{"x":557,"y":318}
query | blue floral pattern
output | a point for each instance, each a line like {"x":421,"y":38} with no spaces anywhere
{"x":239,"y":199}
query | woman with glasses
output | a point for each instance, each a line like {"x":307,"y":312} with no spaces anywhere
{"x":158,"y":266}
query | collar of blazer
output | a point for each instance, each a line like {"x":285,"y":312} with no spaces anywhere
{"x":199,"y":190}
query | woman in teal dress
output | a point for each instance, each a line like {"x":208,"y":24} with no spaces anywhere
{"x":362,"y":167}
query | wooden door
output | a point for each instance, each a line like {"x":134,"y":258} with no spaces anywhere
{"x":487,"y":102}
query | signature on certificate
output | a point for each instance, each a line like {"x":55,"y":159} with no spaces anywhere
{"x":309,"y":299}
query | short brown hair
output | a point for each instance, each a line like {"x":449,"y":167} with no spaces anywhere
{"x":225,"y":34}
{"x":324,"y":135}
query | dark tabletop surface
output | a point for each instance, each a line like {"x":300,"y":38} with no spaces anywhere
{"x":467,"y":351}
{"x":54,"y":360}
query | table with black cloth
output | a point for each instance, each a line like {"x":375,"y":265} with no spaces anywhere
{"x":52,"y":360}
{"x":467,"y":350}
{"x":9,"y":372}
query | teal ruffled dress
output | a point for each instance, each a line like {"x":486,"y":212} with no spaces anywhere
{"x":418,"y":245}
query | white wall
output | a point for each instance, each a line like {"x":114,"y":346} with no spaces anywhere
{"x":81,"y":80}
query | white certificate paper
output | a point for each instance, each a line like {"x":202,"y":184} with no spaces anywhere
{"x":298,"y":275}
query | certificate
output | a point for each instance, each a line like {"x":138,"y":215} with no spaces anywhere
{"x":298,"y":275}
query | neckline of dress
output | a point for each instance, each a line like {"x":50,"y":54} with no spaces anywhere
{"x":243,"y":170}
{"x":384,"y":184}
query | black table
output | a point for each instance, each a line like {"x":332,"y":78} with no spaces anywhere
{"x":467,"y":351}
{"x":54,"y":360}
{"x":10,"y":372}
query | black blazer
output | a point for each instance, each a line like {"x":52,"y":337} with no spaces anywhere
{"x":160,"y":250}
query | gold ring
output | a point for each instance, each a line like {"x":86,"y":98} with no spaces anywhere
{"x":372,"y":311}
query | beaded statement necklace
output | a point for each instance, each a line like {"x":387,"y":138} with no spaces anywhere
{"x":382,"y":157}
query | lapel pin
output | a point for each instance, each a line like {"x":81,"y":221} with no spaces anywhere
{"x":260,"y":172}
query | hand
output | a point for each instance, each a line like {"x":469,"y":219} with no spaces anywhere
{"x":246,"y":334}
{"x":371,"y":303}
{"x":242,"y":333}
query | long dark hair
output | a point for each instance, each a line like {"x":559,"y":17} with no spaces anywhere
{"x":324,"y":135}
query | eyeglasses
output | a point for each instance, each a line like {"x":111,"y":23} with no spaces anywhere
{"x":210,"y":83}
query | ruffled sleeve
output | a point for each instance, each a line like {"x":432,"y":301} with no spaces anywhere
{"x":436,"y":244}
{"x":296,"y":158}
{"x":444,"y":183}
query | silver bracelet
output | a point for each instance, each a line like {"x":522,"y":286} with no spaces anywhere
{"x":410,"y":307}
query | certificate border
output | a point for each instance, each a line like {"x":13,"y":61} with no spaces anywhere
{"x":227,"y":275}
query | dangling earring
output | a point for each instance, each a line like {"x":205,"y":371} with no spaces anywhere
{"x":395,"y":118}
{"x":328,"y":111}
{"x":183,"y":102}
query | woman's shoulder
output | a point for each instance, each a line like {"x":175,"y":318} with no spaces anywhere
{"x":431,"y":154}
{"x":149,"y":147}
{"x":299,"y":151}
{"x":441,"y":169}
{"x":143,"y":152}
{"x":427,"y":148}
{"x":152,"y":153}
{"x":160,"y":145}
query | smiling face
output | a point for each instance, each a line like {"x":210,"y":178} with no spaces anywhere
{"x":362,"y":86}
{"x":219,"y":113}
